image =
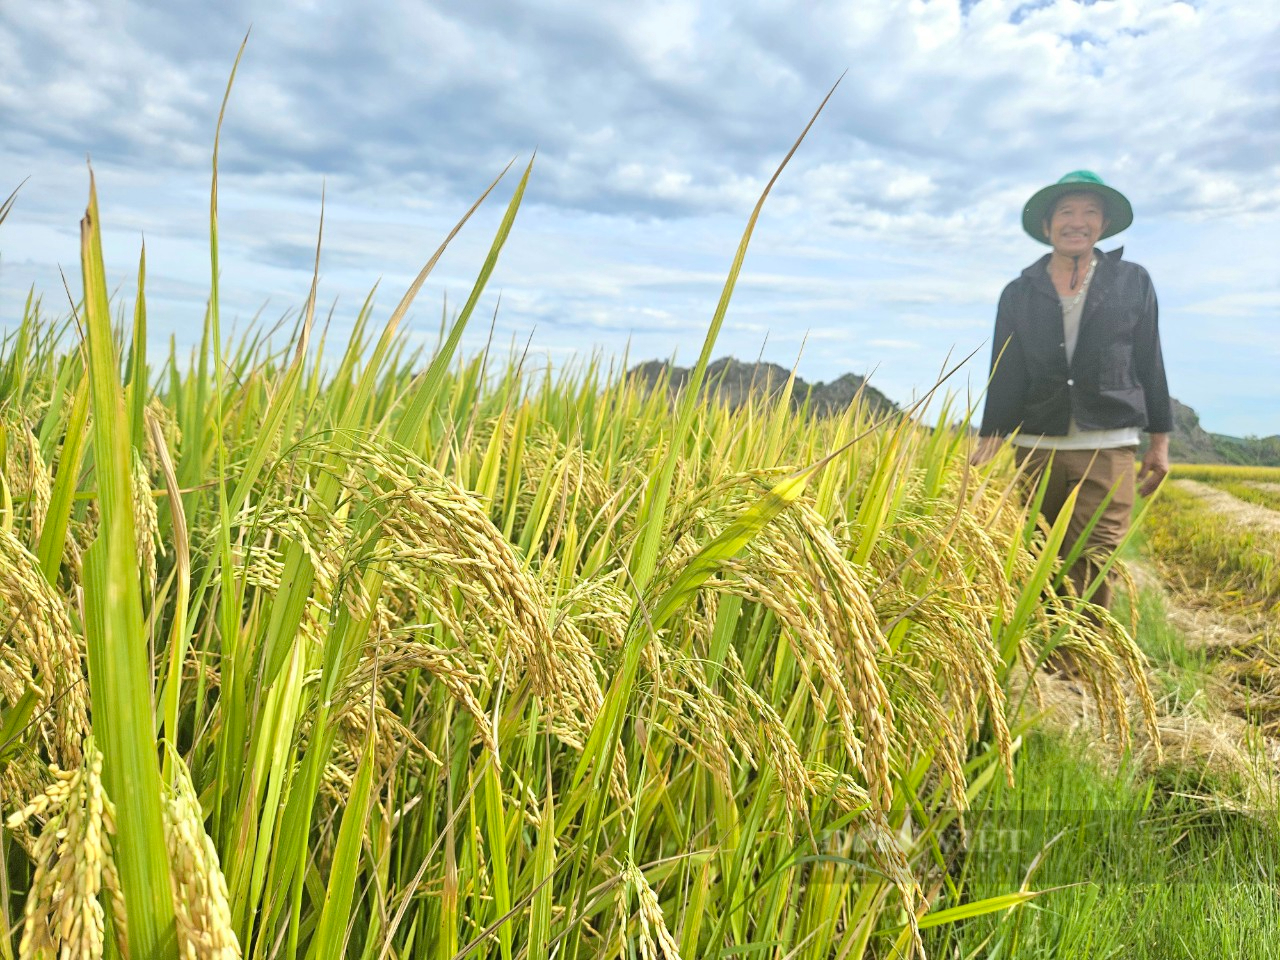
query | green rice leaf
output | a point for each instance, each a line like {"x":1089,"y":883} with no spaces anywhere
{"x":331,"y":934}
{"x":119,"y":674}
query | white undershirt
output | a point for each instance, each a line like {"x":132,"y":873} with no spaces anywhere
{"x":1075,"y":438}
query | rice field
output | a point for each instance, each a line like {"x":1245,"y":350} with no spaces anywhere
{"x":1224,"y":473}
{"x":417,"y":654}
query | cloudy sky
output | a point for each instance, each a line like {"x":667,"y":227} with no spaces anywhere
{"x":656,"y":125}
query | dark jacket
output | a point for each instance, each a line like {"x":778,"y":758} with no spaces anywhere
{"x":1116,"y":375}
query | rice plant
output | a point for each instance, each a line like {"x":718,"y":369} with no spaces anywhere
{"x":442,"y":656}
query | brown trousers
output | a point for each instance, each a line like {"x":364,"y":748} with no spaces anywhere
{"x":1096,"y":473}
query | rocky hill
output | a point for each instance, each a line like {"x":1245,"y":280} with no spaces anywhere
{"x":733,"y":381}
{"x":1191,"y":443}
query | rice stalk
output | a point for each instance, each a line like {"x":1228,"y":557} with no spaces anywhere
{"x":795,"y":569}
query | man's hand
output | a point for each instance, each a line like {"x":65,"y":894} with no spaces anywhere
{"x":1155,"y":465}
{"x":985,"y":450}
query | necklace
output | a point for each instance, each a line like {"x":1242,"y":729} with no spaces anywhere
{"x":1075,"y":302}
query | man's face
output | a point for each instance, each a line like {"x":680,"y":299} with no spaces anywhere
{"x":1076,"y":223}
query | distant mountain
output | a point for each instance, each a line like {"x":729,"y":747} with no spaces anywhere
{"x":733,"y":381}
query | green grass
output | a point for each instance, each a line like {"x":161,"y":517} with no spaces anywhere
{"x":1178,"y":672}
{"x":1145,"y":874}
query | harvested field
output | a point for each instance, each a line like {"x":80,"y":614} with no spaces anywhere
{"x":1232,"y":509}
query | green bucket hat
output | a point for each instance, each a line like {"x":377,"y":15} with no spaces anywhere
{"x":1117,"y":207}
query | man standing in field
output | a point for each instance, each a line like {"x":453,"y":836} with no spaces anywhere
{"x":1077,"y":371}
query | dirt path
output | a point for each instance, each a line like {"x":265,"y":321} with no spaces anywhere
{"x":1238,"y":511}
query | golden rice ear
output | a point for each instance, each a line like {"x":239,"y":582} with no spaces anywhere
{"x":38,"y":641}
{"x":437,"y":549}
{"x":63,"y":913}
{"x":200,"y":898}
{"x":146,"y":525}
{"x":656,"y":941}
{"x":28,"y":477}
